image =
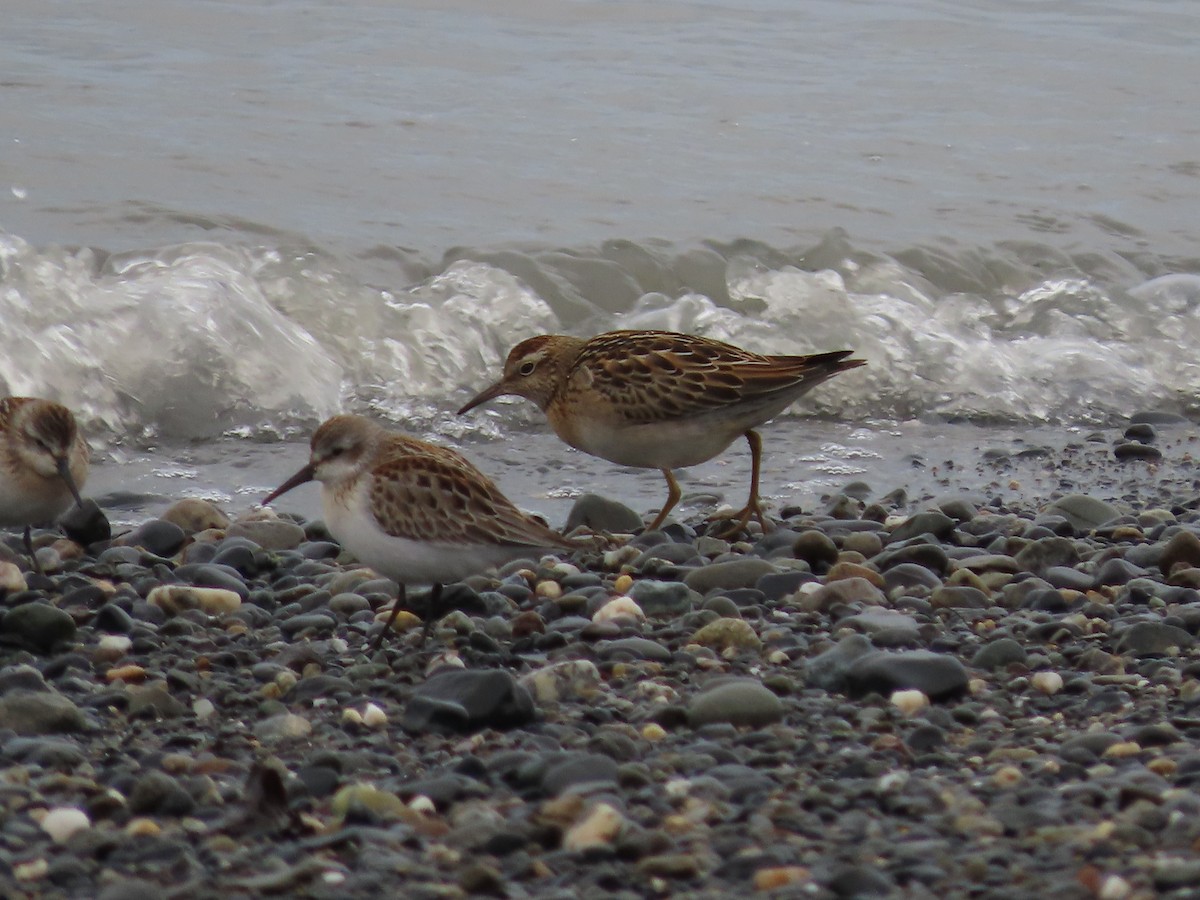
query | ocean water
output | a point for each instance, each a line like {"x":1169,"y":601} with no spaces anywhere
{"x":221,"y":222}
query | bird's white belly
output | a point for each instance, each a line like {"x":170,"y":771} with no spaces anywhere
{"x":36,"y":504}
{"x":401,"y":559}
{"x":659,"y":445}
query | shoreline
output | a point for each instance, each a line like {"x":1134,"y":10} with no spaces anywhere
{"x":991,"y":695}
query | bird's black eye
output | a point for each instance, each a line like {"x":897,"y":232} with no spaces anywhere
{"x":527,"y":368}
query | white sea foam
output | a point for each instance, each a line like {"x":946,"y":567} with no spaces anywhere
{"x":197,"y":340}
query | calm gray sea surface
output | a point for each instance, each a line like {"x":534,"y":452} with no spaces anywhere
{"x":135,"y":123}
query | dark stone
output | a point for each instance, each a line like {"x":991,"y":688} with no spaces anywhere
{"x":37,"y":626}
{"x":157,"y":793}
{"x":828,"y":670}
{"x":938,"y":524}
{"x":910,"y":575}
{"x":579,"y":768}
{"x":936,"y":675}
{"x":1152,"y":638}
{"x":1116,"y":571}
{"x":1136,"y":451}
{"x":601,"y":514}
{"x":86,"y":523}
{"x":468,"y":700}
{"x":999,"y":653}
{"x":212,"y":575}
{"x":157,"y":536}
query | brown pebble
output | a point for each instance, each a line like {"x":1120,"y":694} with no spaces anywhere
{"x":780,"y":876}
{"x":132,"y":674}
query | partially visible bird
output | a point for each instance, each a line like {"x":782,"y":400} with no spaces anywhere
{"x":659,"y":399}
{"x":415,"y":512}
{"x":43,"y":463}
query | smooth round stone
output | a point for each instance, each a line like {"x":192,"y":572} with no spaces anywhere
{"x":572,"y":679}
{"x":828,"y":670}
{"x":1183,"y":549}
{"x":579,"y":769}
{"x":738,"y":701}
{"x":192,"y":515}
{"x":1134,"y":450}
{"x":1047,"y":552}
{"x":1070,"y":579}
{"x":723,"y":607}
{"x":930,"y":556}
{"x":282,"y":727}
{"x":214,"y":576}
{"x":727,"y":633}
{"x":315,"y":622}
{"x":601,"y":514}
{"x":937,"y":524}
{"x":736,"y":573}
{"x":634,"y":648}
{"x":240,"y":555}
{"x":843,"y":591}
{"x":270,"y":534}
{"x":668,"y":551}
{"x":959,"y":597}
{"x":664,"y":599}
{"x":22,"y":677}
{"x":815,"y":548}
{"x":157,"y":793}
{"x":998,"y":654}
{"x":847,"y":570}
{"x":961,"y":509}
{"x":468,"y":700}
{"x":40,"y":713}
{"x":155,"y":701}
{"x":1153,"y":638}
{"x":778,"y":585}
{"x":910,"y":575}
{"x":85,"y":523}
{"x":63,"y":822}
{"x":936,"y":675}
{"x":1083,"y":512}
{"x":38,"y":626}
{"x":347,"y":604}
{"x":1116,"y":572}
{"x":876,"y":621}
{"x":156,"y":536}
{"x":867,"y":543}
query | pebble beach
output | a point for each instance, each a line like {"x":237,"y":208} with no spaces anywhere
{"x":985,"y":692}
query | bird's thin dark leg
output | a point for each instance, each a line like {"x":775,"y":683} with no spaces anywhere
{"x":33,"y":560}
{"x":401,"y":598}
{"x":433,"y":612}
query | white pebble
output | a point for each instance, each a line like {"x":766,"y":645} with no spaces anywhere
{"x":63,"y":822}
{"x":203,"y":708}
{"x":619,"y":608}
{"x":373,"y":716}
{"x":112,"y":647}
{"x":352,"y":717}
{"x":909,"y":702}
{"x":423,"y":805}
{"x":1047,"y":682}
{"x":12,"y":579}
{"x":1114,"y":887}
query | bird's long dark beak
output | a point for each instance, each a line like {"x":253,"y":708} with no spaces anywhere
{"x":489,"y":393}
{"x":64,"y":472}
{"x":304,"y":475}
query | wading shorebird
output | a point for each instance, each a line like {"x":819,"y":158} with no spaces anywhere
{"x":43,"y":464}
{"x":415,"y":512}
{"x":659,"y":399}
